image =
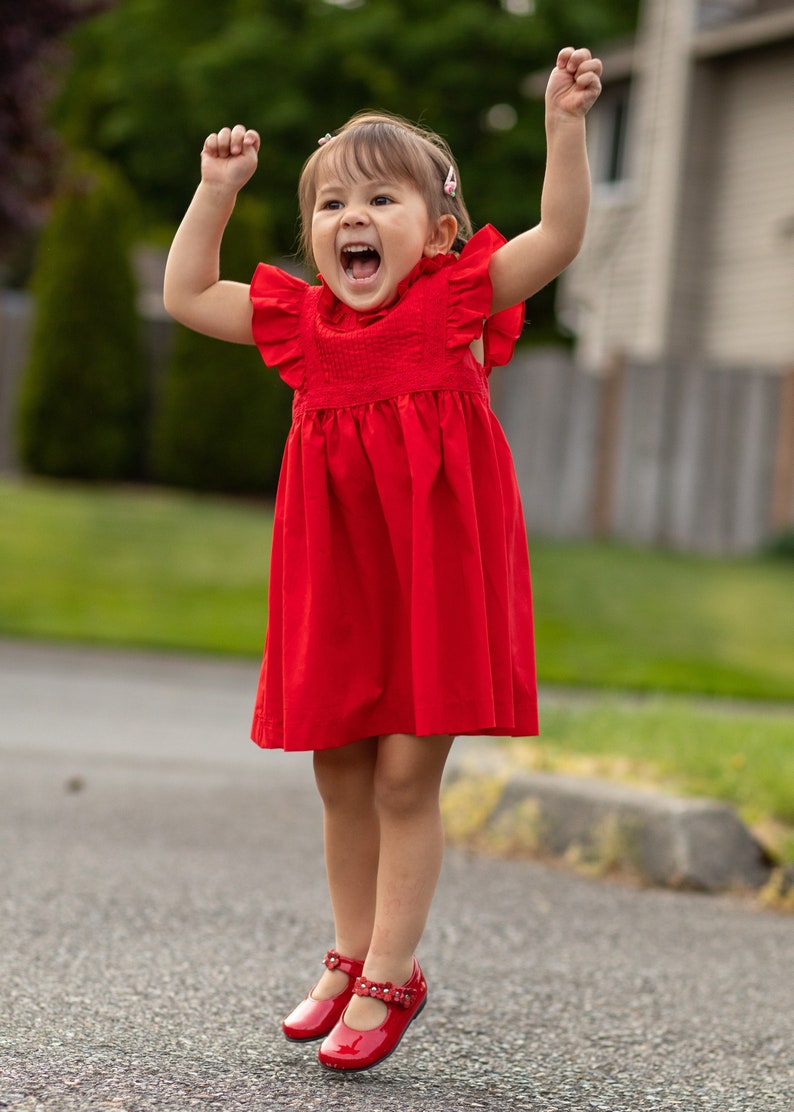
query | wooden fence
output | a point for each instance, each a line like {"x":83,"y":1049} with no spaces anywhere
{"x":14,"y":334}
{"x":681,"y":456}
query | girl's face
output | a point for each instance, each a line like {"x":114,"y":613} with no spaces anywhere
{"x":369,"y":235}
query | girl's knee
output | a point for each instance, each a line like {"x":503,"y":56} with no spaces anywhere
{"x":399,"y":795}
{"x":345,"y":774}
{"x":408,"y":773}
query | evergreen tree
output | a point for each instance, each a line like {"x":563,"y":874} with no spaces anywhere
{"x":296,"y":70}
{"x":84,"y":394}
{"x":223,"y":417}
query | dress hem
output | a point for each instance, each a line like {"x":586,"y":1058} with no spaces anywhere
{"x":271,"y":736}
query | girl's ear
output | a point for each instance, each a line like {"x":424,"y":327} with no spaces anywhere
{"x":442,"y":236}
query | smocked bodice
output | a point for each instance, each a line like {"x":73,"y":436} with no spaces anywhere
{"x":335,"y":357}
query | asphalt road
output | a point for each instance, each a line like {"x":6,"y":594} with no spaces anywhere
{"x":162,"y":905}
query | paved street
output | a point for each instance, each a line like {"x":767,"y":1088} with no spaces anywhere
{"x":162,"y":905}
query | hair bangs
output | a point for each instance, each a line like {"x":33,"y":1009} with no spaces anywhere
{"x":361,"y":155}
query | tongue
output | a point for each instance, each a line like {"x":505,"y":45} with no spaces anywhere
{"x":363,"y":266}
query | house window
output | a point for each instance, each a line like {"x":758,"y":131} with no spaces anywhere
{"x":614,"y":120}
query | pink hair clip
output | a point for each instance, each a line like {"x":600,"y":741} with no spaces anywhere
{"x":450,"y":185}
{"x":321,"y":142}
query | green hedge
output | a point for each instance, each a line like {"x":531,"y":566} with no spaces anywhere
{"x":782,"y":545}
{"x":222,"y":416}
{"x":83,"y":397}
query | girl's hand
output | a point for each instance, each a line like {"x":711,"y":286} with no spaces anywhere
{"x":229,"y":157}
{"x":575,"y":82}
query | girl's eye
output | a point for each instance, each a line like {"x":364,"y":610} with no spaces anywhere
{"x":381,"y":199}
{"x":332,"y":205}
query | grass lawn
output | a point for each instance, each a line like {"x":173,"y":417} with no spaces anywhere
{"x":133,"y":567}
{"x":652,"y":620}
{"x":172,"y":570}
{"x":153,"y":568}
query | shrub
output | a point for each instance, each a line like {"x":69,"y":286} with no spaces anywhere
{"x":83,"y":397}
{"x":222,"y":416}
{"x":782,"y":545}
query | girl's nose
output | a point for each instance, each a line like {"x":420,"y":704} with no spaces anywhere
{"x":354,"y":215}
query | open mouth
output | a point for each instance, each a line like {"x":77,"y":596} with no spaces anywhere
{"x":360,"y":262}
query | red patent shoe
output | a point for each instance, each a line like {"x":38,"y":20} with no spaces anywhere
{"x":346,"y":1049}
{"x":312,"y":1019}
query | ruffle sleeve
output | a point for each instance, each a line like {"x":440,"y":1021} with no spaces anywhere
{"x":277,"y":299}
{"x":471,"y":295}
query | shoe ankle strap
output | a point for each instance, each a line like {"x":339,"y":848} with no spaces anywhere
{"x":401,"y":997}
{"x":351,"y":966}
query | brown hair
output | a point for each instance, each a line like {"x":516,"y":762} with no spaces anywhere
{"x":378,"y":145}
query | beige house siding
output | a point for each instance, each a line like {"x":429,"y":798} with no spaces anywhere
{"x":692,"y":254}
{"x":748,"y":311}
{"x":599,"y":294}
{"x":617,"y":293}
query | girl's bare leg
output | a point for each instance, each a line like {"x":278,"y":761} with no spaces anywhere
{"x":407,"y":782}
{"x":345,"y":779}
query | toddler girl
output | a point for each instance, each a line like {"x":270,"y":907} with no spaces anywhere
{"x":400,"y":607}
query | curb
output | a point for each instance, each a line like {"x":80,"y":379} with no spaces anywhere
{"x":604,"y":827}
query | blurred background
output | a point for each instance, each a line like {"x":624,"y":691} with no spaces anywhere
{"x":650,"y":405}
{"x":106,"y":109}
{"x":653,"y":395}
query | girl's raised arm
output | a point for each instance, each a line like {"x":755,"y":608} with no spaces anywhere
{"x":530,"y":261}
{"x":193,"y":292}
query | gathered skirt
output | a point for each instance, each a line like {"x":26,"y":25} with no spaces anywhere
{"x":399,"y":595}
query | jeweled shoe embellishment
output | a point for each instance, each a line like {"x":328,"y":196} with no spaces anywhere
{"x":385,"y":991}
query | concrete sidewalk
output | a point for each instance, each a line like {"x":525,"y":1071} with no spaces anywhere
{"x":163,"y":904}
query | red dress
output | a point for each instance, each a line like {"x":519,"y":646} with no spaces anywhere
{"x":399,"y":593}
